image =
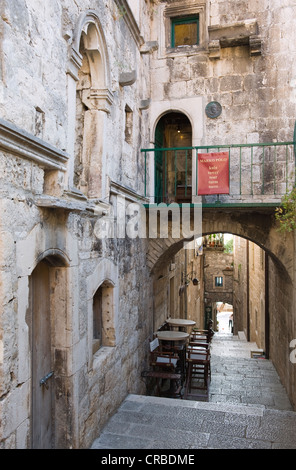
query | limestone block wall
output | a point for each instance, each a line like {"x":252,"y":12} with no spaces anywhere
{"x":255,"y":85}
{"x":250,"y":292}
{"x":282,"y":326}
{"x":240,"y":285}
{"x":257,"y":295}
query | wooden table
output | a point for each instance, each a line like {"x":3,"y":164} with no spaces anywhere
{"x":180,"y":323}
{"x":172,"y":335}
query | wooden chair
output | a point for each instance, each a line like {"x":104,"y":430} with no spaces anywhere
{"x":160,"y":358}
{"x":164,"y":367}
{"x":202,"y":335}
{"x":198,"y":370}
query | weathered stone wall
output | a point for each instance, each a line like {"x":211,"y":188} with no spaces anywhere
{"x":240,"y":285}
{"x":282,"y":326}
{"x":257,"y":295}
{"x":43,"y":217}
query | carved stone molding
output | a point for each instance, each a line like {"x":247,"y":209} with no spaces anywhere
{"x":99,"y":99}
{"x":130,"y":21}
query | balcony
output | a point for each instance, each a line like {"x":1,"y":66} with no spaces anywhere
{"x":258,"y":174}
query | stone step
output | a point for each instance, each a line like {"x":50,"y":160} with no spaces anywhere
{"x":145,"y":422}
{"x":247,"y":408}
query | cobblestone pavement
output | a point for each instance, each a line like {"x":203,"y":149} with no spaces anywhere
{"x":247,"y":409}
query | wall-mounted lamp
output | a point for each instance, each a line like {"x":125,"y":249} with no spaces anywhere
{"x":186,"y":278}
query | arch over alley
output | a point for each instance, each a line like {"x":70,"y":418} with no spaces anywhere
{"x":256,"y":225}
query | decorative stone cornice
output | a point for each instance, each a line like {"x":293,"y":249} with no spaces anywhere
{"x":25,"y":145}
{"x":128,"y":193}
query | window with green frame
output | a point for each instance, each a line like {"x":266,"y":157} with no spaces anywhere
{"x":185,"y":31}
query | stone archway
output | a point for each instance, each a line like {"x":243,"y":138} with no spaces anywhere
{"x":255,"y":225}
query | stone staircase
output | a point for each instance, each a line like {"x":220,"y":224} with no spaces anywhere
{"x":247,"y":408}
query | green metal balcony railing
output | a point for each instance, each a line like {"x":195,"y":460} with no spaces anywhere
{"x":258,"y":173}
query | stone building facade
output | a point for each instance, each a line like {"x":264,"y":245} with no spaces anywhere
{"x":83,"y":88}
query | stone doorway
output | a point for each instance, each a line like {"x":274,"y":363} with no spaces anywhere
{"x":47,"y":326}
{"x":42,"y":393}
{"x":173,"y":168}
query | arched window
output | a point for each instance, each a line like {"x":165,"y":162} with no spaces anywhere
{"x":90,"y":63}
{"x":103,"y":316}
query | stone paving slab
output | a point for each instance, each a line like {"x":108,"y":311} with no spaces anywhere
{"x":162,"y":423}
{"x":247,"y":409}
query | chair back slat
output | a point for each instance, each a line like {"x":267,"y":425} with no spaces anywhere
{"x":154,"y":344}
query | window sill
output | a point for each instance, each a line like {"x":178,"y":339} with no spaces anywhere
{"x":96,"y":345}
{"x":184,"y":50}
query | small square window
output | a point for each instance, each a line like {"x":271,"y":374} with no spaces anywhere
{"x":219,"y":281}
{"x":185,"y":31}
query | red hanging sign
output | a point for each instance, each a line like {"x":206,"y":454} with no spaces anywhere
{"x":213,"y":173}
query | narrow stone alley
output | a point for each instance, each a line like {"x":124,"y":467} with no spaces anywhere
{"x":248,"y":408}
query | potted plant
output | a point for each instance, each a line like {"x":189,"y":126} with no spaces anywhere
{"x":286,"y":213}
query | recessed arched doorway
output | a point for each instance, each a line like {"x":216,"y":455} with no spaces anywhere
{"x":48,"y":301}
{"x":173,"y":160}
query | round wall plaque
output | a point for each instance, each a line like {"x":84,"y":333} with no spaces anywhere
{"x":213,"y":109}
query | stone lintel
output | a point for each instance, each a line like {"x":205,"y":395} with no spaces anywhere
{"x":243,"y":33}
{"x":25,"y":145}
